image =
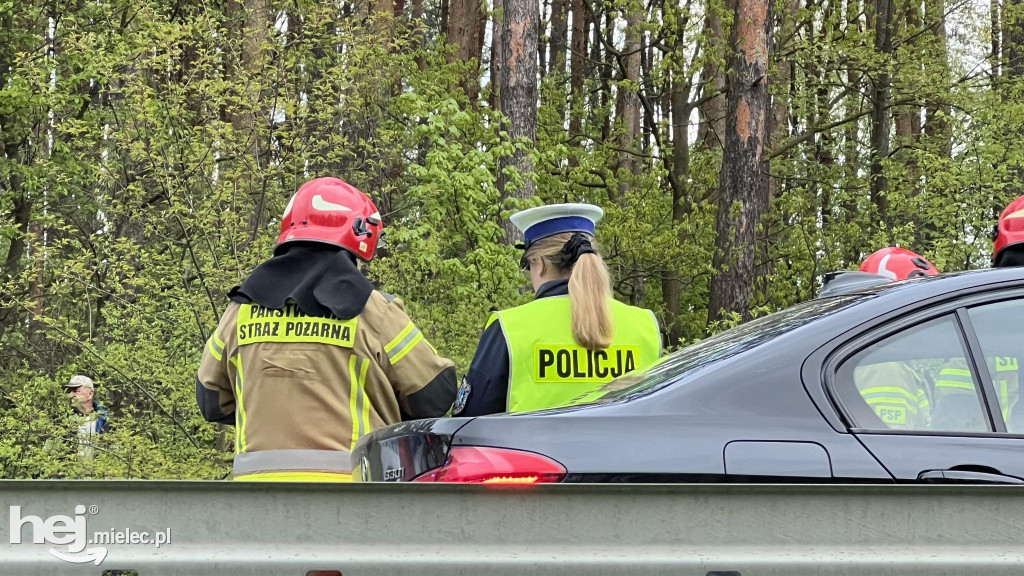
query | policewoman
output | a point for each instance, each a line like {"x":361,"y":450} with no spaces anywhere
{"x":573,"y":338}
{"x":308,"y":356}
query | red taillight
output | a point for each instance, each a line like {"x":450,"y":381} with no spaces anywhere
{"x":478,"y":465}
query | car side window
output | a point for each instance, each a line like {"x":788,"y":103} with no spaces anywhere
{"x":893,"y":383}
{"x":998,"y":328}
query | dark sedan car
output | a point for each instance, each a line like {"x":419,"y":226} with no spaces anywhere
{"x":916,"y":381}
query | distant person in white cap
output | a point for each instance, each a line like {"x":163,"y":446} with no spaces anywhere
{"x":92,"y":416}
{"x":574,"y":338}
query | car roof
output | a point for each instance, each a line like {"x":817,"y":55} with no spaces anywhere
{"x":933,"y":286}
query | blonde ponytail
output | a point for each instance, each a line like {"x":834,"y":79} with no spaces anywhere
{"x":590,"y":289}
{"x":589,"y":293}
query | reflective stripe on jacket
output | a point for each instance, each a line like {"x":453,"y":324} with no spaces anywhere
{"x":956,"y":378}
{"x":896,"y":394}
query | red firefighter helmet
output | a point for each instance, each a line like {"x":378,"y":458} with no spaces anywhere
{"x":898,"y":264}
{"x":331,"y":211}
{"x":1010,"y":230}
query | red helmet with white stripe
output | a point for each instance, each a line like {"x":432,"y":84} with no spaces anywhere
{"x":1010,"y":230}
{"x":898,"y":264}
{"x":331,"y":211}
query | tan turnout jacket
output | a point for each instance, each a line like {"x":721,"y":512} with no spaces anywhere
{"x":304,"y":389}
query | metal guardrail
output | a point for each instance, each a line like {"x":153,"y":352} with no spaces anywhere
{"x":227,"y":528}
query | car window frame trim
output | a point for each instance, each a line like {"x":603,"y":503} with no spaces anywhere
{"x":980,"y":370}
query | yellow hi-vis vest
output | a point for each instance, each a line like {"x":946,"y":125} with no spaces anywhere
{"x":548,"y":369}
{"x":956,"y":378}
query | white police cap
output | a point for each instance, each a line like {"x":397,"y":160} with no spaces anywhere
{"x":544,"y":221}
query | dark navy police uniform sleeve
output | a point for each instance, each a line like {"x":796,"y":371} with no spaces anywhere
{"x":484,"y":389}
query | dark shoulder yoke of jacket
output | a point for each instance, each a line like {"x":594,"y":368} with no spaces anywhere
{"x":434,"y":399}
{"x":209,"y":404}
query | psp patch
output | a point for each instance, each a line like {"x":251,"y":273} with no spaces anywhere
{"x":892,"y":415}
{"x":461,"y":397}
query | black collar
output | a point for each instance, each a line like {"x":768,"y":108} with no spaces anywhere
{"x":322,"y":280}
{"x":553,"y":288}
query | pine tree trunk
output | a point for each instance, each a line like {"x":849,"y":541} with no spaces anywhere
{"x":1013,"y":40}
{"x":851,"y":142}
{"x":559,"y":37}
{"x":995,"y":56}
{"x":577,"y":65}
{"x":417,"y":16}
{"x":497,"y":57}
{"x":464,"y":31}
{"x":938,"y":114}
{"x":606,"y":74}
{"x":782,"y":87}
{"x":881,"y":94}
{"x":711,"y":130}
{"x":743,"y":181}
{"x":251,"y":19}
{"x":628,"y":107}
{"x":519,"y":93}
{"x":20,"y":215}
{"x":542,"y":40}
{"x":672,"y":288}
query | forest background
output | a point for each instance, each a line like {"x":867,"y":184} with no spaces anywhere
{"x":740,"y":149}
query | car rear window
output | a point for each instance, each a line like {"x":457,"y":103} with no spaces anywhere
{"x":719,"y":347}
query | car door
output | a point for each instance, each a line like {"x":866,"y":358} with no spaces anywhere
{"x":934,"y":397}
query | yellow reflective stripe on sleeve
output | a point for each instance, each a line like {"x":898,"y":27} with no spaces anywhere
{"x":955,"y":372}
{"x":240,"y":418}
{"x":922,"y":399}
{"x":1004,"y":398}
{"x":954,"y":384}
{"x":365,"y":412}
{"x":890,"y":400}
{"x":294,"y":477}
{"x":359,"y":403}
{"x":399,"y":354}
{"x":888,"y":390}
{"x":409,"y":328}
{"x":216,"y":347}
{"x":354,"y":392}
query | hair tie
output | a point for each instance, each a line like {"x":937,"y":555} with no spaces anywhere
{"x":578,"y":245}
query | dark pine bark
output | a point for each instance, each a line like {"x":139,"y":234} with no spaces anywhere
{"x":743,"y":181}
{"x":672,"y":285}
{"x":464,"y":30}
{"x":559,"y":37}
{"x":497,"y":60}
{"x":712,"y":113}
{"x":881,"y":94}
{"x":577,"y":64}
{"x":519,"y":93}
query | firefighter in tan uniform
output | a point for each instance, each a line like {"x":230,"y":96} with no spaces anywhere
{"x":309,"y":357}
